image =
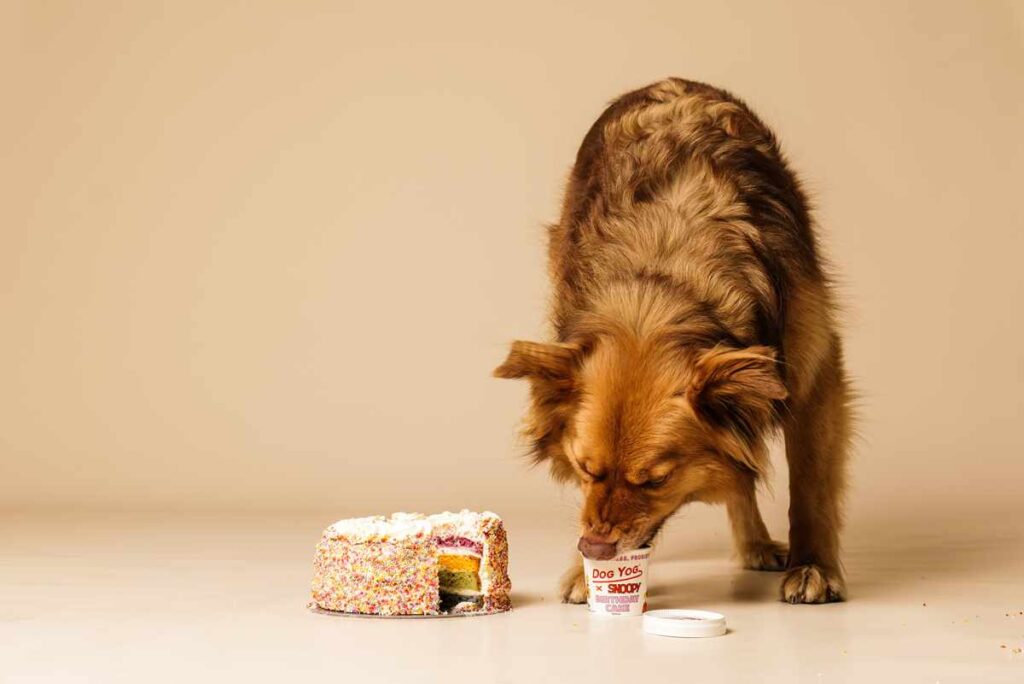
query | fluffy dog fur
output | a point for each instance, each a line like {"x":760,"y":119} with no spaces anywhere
{"x":693,"y":317}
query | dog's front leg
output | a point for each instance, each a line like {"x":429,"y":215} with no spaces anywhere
{"x":756,"y":550}
{"x":573,"y":587}
{"x":817,"y":438}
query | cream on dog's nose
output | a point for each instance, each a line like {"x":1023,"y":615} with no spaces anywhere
{"x":596,"y":548}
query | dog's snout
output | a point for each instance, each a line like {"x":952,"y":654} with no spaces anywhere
{"x":596,"y":548}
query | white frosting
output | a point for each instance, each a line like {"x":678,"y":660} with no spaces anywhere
{"x":462,"y":524}
{"x":375,"y":527}
{"x":403,"y":525}
{"x":458,"y":551}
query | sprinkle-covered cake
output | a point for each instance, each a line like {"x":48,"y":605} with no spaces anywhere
{"x":412,"y":564}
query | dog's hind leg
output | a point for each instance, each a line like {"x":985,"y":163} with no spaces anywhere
{"x":817,"y":432}
{"x":755,"y":548}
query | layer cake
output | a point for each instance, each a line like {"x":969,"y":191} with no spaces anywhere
{"x":412,"y":564}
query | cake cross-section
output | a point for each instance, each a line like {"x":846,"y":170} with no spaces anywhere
{"x":412,"y":564}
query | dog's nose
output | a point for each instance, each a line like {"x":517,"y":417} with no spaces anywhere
{"x":596,"y":548}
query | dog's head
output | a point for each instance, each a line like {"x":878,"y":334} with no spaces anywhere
{"x":646,"y":426}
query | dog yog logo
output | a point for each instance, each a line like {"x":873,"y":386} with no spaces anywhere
{"x":617,"y":581}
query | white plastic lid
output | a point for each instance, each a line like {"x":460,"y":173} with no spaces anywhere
{"x":684,"y":623}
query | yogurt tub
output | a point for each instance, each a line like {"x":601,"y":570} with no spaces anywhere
{"x":618,"y":587}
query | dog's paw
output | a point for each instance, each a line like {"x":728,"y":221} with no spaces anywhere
{"x":812,"y":584}
{"x":768,"y":555}
{"x":573,"y":588}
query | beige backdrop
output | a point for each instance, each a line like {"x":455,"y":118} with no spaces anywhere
{"x":264,"y":256}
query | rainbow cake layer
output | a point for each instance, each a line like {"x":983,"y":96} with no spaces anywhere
{"x":412,"y":564}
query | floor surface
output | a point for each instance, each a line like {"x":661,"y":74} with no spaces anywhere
{"x":159,"y":598}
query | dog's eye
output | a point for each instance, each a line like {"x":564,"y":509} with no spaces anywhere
{"x":592,"y":476}
{"x":654,"y":484}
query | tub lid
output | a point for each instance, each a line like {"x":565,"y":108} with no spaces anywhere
{"x":684,"y":623}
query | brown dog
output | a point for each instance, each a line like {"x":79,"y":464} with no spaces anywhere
{"x":693,"y":317}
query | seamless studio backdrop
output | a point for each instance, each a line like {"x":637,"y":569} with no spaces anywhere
{"x":258,"y":261}
{"x":262,"y":258}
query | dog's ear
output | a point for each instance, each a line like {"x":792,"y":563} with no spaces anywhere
{"x":551,"y":370}
{"x":552,"y":362}
{"x":737,"y":390}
